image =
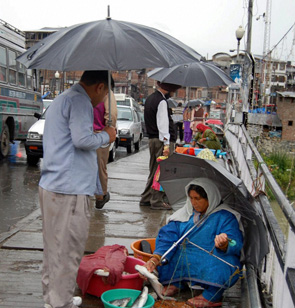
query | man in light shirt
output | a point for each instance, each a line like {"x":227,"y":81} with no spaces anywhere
{"x":69,"y":176}
{"x":162,"y":137}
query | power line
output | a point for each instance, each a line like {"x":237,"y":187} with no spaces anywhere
{"x":282,"y":38}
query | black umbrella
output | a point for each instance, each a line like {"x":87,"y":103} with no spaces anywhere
{"x":178,"y":170}
{"x":107,"y":45}
{"x":194,"y":74}
{"x":194,"y":103}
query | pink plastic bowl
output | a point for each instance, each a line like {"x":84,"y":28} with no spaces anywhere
{"x":131,"y":281}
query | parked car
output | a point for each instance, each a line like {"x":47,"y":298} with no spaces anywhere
{"x":46,"y":103}
{"x":125,"y":100}
{"x":144,"y":131}
{"x":129,"y":128}
{"x":34,"y":142}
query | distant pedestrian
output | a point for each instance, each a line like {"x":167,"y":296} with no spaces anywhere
{"x":101,"y":117}
{"x":178,"y":121}
{"x":69,"y":176}
{"x":161,"y":132}
{"x":187,"y":114}
{"x":197,"y":117}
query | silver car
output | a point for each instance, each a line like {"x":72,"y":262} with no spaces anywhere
{"x":129,"y":128}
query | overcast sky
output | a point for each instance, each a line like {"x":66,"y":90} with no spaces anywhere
{"x":208,"y":26}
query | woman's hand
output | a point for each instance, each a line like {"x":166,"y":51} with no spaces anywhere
{"x":151,"y":265}
{"x":202,"y":140}
{"x":221,"y":241}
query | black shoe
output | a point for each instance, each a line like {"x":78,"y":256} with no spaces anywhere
{"x":145,"y":247}
{"x":142,"y":203}
{"x":99,"y":204}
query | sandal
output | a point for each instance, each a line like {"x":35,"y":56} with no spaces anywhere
{"x":200,"y":301}
{"x":163,"y":206}
{"x":170,"y":290}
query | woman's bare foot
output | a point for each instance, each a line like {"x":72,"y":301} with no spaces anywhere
{"x":201,"y":301}
{"x":170,"y":290}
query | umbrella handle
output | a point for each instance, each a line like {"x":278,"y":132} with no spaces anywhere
{"x":109,"y":97}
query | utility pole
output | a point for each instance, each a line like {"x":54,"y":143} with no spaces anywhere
{"x":247,"y":65}
{"x":266,"y":55}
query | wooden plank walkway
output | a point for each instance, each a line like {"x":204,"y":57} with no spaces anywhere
{"x":121,"y":221}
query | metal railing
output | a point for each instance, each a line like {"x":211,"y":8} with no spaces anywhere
{"x":277,"y":273}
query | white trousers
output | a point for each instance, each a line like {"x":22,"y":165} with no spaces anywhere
{"x":65,"y":231}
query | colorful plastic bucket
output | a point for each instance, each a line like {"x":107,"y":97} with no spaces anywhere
{"x":111,"y":295}
{"x":131,"y":281}
{"x":135,"y":246}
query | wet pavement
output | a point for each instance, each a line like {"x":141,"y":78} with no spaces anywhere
{"x":18,"y":188}
{"x":19,"y":184}
{"x":121,"y":221}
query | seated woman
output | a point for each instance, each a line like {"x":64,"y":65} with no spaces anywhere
{"x":217,"y":230}
{"x":206,"y":136}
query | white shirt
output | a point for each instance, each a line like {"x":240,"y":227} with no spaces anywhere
{"x":163,"y":121}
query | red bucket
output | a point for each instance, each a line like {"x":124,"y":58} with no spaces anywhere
{"x":131,"y":281}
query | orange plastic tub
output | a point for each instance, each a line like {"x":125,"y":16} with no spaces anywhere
{"x":135,"y":246}
{"x":131,"y":281}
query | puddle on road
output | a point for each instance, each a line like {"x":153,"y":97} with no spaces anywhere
{"x":18,"y":187}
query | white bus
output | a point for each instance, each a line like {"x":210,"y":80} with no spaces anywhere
{"x":19,"y":98}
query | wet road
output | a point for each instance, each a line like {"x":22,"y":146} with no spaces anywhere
{"x":19,"y":185}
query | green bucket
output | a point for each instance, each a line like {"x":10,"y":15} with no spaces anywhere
{"x":111,"y":295}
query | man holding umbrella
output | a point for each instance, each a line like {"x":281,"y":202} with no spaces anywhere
{"x":69,"y":176}
{"x":162,"y":137}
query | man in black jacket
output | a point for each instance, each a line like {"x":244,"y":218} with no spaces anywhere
{"x":162,"y":137}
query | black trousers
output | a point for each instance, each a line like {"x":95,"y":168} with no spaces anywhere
{"x":179,"y":130}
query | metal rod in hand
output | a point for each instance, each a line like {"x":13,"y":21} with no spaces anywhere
{"x":210,"y":253}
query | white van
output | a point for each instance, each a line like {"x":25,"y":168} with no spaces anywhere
{"x":126,"y":100}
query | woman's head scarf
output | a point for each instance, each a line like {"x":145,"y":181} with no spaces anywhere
{"x":202,"y":127}
{"x":213,"y":195}
{"x":214,"y":199}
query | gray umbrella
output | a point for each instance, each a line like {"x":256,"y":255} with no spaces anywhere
{"x":107,"y":45}
{"x":194,"y":74}
{"x":179,"y":169}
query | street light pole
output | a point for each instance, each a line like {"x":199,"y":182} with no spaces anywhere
{"x":56,"y":75}
{"x":239,"y":35}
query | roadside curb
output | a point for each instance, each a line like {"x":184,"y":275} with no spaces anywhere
{"x":20,"y":225}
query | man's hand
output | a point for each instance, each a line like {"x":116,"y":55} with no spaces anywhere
{"x":111,"y":132}
{"x":166,"y":150}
